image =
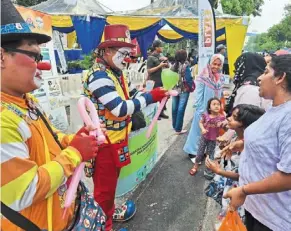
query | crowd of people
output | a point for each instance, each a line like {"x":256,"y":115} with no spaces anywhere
{"x":247,"y":146}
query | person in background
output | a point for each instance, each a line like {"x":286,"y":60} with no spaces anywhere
{"x":248,"y":67}
{"x":179,"y":103}
{"x":265,"y":162}
{"x":35,"y":162}
{"x":107,"y":87}
{"x":208,"y":85}
{"x":155,"y":64}
{"x":221,"y":49}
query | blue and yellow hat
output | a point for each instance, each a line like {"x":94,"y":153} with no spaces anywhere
{"x":13,"y":26}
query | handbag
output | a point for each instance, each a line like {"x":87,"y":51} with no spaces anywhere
{"x":138,"y":121}
{"x":88,"y":214}
{"x":187,"y":79}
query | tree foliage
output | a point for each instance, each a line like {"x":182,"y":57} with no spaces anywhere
{"x":28,"y":3}
{"x":242,"y":7}
{"x":278,"y":36}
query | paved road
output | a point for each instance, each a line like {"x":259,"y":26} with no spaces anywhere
{"x":170,"y":199}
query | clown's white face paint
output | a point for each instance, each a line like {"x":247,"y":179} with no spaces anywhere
{"x":118,"y":58}
{"x":37,"y":78}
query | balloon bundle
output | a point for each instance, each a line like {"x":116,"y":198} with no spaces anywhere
{"x":170,"y":79}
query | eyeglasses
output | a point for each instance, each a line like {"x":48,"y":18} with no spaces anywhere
{"x":125,"y":54}
{"x":36,"y":56}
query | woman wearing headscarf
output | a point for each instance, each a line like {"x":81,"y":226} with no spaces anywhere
{"x":208,"y":85}
{"x":248,"y":67}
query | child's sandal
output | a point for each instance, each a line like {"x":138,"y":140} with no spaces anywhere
{"x":193,"y":171}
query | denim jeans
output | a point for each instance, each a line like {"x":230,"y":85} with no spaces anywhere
{"x":178,"y":110}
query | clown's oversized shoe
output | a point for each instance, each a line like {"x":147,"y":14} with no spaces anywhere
{"x":125,"y":212}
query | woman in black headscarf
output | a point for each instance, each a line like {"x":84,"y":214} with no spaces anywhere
{"x":248,"y":67}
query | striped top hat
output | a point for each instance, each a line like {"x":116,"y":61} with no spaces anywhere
{"x":116,"y":36}
{"x":13,"y":26}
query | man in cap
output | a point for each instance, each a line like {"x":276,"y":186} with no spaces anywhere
{"x":221,"y":49}
{"x":155,"y":64}
{"x":107,"y":87}
{"x":33,"y":165}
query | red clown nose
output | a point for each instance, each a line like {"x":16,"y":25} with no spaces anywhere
{"x":44,"y":66}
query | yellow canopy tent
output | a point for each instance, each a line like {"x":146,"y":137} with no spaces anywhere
{"x":235,"y":30}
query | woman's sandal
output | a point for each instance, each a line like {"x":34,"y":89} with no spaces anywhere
{"x":193,"y":171}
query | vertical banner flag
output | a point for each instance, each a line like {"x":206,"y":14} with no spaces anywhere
{"x":206,"y":40}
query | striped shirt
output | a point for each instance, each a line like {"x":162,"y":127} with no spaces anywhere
{"x":27,"y":178}
{"x":103,"y":89}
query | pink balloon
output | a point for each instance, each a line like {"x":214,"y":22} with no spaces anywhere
{"x":92,"y":119}
{"x":156,"y":117}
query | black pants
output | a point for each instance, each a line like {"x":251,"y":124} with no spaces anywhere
{"x":225,"y":69}
{"x":253,"y":224}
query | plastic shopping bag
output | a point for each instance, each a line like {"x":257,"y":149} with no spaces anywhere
{"x":232,"y":222}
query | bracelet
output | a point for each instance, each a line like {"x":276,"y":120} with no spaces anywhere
{"x":244,"y":191}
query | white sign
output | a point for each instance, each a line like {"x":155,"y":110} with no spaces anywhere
{"x":206,"y":40}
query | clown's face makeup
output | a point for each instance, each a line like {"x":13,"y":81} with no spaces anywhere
{"x":37,"y":78}
{"x":119,"y":56}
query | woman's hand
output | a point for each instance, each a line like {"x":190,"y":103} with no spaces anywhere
{"x":212,"y":165}
{"x":223,"y":141}
{"x":236,"y":146}
{"x":237,"y":198}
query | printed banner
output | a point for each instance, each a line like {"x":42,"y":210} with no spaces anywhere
{"x":60,"y":49}
{"x":53,"y":90}
{"x":58,"y":118}
{"x":206,"y":40}
{"x":41,"y":23}
{"x":143,"y":153}
{"x":37,"y":21}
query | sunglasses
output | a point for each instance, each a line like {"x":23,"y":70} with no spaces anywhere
{"x":36,"y":56}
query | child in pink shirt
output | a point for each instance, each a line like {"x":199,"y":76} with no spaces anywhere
{"x":209,"y":124}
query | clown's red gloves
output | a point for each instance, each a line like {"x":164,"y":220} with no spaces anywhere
{"x":86,"y":145}
{"x":158,"y":94}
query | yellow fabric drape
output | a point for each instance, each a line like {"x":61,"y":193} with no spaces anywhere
{"x":170,"y":34}
{"x":221,"y":38}
{"x":192,"y":24}
{"x":71,"y":38}
{"x":235,"y":37}
{"x":61,"y":21}
{"x":134,"y":23}
{"x":185,"y":24}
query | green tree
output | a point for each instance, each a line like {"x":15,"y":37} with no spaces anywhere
{"x":278,"y":36}
{"x":242,"y":7}
{"x":28,"y":3}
